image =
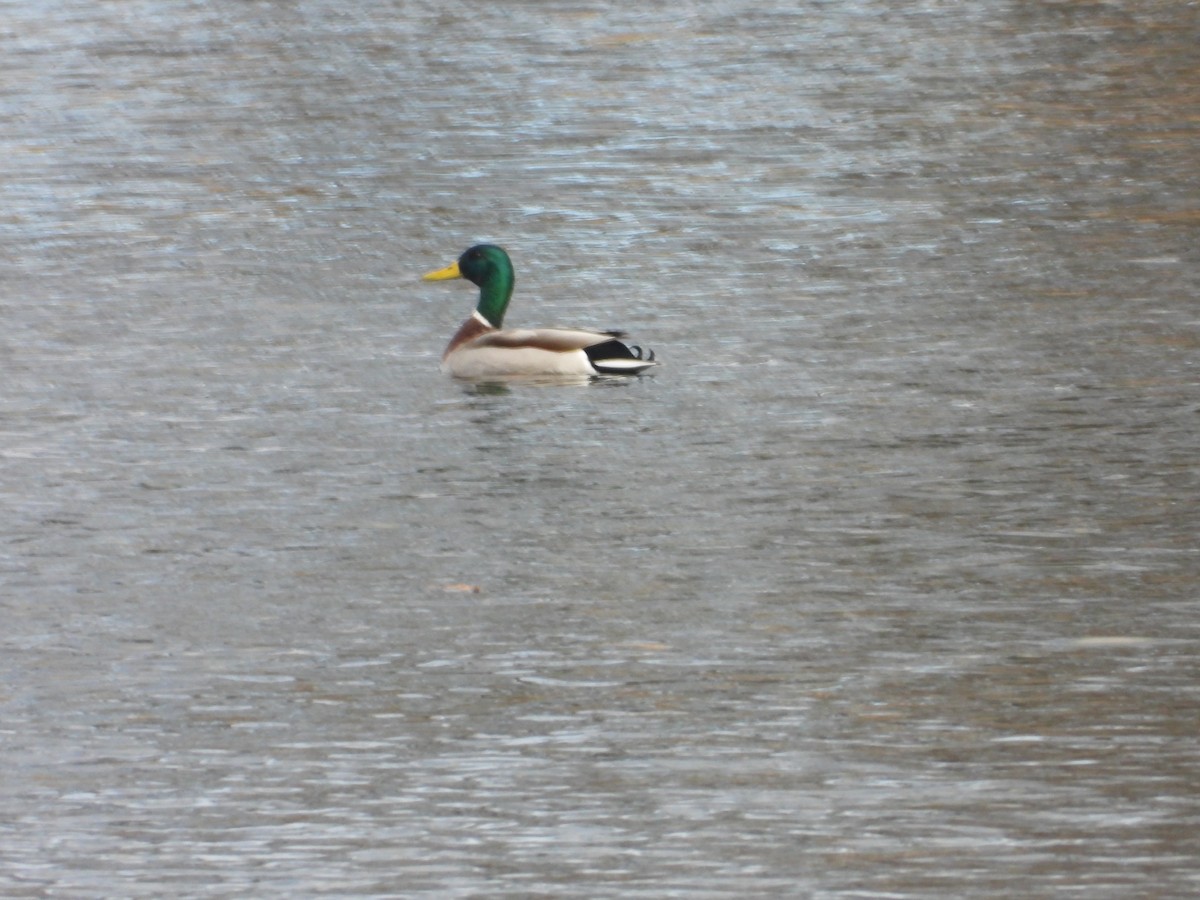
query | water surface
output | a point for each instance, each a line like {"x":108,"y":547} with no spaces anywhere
{"x":884,"y":585}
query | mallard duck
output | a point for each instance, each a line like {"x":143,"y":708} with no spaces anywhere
{"x":482,"y":349}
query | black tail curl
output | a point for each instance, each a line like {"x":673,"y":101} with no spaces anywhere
{"x":613,"y":351}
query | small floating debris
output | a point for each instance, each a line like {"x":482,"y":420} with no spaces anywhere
{"x":1112,"y":640}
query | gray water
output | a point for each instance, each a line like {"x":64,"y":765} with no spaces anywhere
{"x":884,"y":585}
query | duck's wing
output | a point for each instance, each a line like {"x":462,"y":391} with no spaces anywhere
{"x":555,"y":340}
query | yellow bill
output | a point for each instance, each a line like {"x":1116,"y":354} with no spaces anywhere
{"x":451,"y":271}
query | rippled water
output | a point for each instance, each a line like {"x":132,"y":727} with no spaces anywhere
{"x":884,"y":585}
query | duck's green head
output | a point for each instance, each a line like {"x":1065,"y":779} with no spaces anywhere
{"x":489,"y":267}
